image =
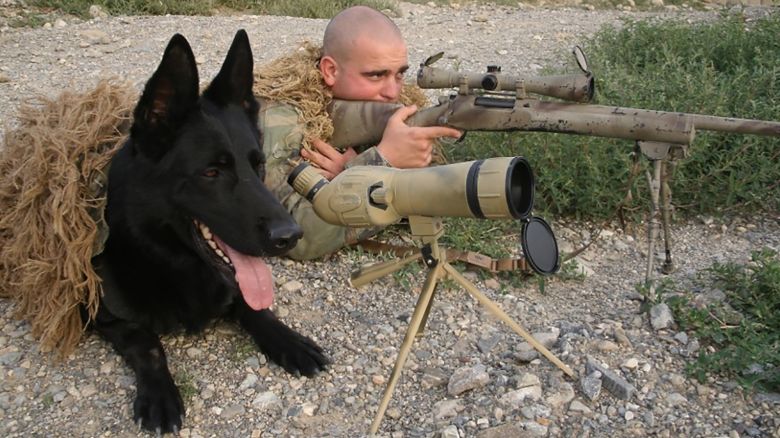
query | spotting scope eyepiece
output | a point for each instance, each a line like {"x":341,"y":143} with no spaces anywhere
{"x":361,"y":196}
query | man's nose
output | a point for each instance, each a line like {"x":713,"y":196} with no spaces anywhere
{"x":391,"y":90}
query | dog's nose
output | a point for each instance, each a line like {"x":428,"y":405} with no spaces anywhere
{"x":284,"y":236}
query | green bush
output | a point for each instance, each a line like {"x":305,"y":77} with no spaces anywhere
{"x":741,"y":334}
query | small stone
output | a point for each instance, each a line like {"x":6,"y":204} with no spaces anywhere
{"x":378,"y":379}
{"x":492,"y":283}
{"x":591,"y":385}
{"x":267,"y":401}
{"x":450,"y":431}
{"x":200,"y":60}
{"x":606,"y":346}
{"x":620,"y":336}
{"x":467,"y":378}
{"x":60,"y":23}
{"x":631,"y":363}
{"x":681,"y":337}
{"x":615,"y":384}
{"x":661,"y":316}
{"x":563,"y":395}
{"x":232,"y":411}
{"x":193,"y":352}
{"x":447,"y":409}
{"x":433,"y":377}
{"x":249,"y":381}
{"x":95,"y":11}
{"x":292,"y":286}
{"x":517,"y":397}
{"x":578,"y":406}
{"x":4,"y":78}
{"x":675,"y":399}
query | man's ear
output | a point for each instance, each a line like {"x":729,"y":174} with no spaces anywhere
{"x":233,"y":83}
{"x":329,"y":69}
{"x":168,"y":97}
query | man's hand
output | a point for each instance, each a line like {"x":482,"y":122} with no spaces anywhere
{"x":330,"y":161}
{"x":406,"y":146}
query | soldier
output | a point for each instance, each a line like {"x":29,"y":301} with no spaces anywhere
{"x":363,"y":57}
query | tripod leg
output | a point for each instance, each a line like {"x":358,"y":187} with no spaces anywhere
{"x":367,"y":274}
{"x":492,"y":307}
{"x":417,"y":317}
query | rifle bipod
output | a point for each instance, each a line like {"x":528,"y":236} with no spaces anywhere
{"x":659,"y":154}
{"x":428,"y":230}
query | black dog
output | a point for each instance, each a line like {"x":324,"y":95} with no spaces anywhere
{"x":190,"y":220}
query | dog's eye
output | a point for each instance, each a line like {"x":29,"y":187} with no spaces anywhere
{"x":211,"y":172}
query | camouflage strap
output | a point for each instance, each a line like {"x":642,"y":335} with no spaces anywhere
{"x":469,"y":257}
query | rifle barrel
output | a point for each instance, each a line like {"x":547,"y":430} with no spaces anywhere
{"x":740,"y":126}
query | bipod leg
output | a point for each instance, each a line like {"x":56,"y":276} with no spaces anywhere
{"x":666,"y":210}
{"x":420,"y":311}
{"x":493,"y":308}
{"x":654,"y":182}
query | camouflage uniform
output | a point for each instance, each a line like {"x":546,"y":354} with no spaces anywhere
{"x":282,"y":141}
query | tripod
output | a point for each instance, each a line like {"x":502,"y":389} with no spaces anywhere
{"x":428,"y":230}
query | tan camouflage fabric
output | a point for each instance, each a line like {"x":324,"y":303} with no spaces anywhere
{"x":282,"y":142}
{"x":293,"y":110}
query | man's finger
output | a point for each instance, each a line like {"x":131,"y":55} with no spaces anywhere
{"x":440,"y":131}
{"x":404,"y":113}
{"x":325,"y":149}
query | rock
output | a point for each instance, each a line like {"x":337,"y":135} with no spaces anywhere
{"x":620,"y":336}
{"x":492,"y":283}
{"x":433,"y":377}
{"x":488,"y":342}
{"x":450,"y":431}
{"x":267,"y":401}
{"x":615,"y":384}
{"x":578,"y":406}
{"x":563,"y":395}
{"x":535,"y":411}
{"x":95,"y":11}
{"x":447,"y":409}
{"x":503,"y":431}
{"x":516,"y":398}
{"x":591,"y":385}
{"x":533,"y":429}
{"x":675,"y":399}
{"x":606,"y":346}
{"x":249,"y":381}
{"x":94,"y":36}
{"x":232,"y":411}
{"x":661,"y":316}
{"x":292,"y":286}
{"x":630,"y":363}
{"x":467,"y":378}
{"x":193,"y":352}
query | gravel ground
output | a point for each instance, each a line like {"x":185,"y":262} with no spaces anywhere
{"x":469,"y":375}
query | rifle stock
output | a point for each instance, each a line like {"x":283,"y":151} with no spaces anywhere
{"x":358,"y":123}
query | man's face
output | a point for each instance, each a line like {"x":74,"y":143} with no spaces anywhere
{"x":373,"y":70}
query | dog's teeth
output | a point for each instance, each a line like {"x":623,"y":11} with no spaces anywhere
{"x":227,"y":260}
{"x":206,"y":232}
{"x":212,"y":244}
{"x":219,"y":252}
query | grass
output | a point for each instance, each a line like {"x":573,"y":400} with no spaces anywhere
{"x":295,"y":8}
{"x":741,"y":334}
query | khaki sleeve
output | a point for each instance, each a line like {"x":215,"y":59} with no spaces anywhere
{"x":282,"y":140}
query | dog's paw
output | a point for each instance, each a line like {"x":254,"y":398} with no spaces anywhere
{"x":296,"y":353}
{"x":300,"y":355}
{"x":158,"y":406}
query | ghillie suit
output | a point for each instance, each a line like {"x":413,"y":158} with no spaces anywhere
{"x":52,"y":195}
{"x":54,"y":169}
{"x":305,"y":90}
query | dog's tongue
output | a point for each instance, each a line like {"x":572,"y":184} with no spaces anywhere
{"x":253,"y":276}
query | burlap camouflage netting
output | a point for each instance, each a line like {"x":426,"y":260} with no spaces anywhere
{"x":52,"y":193}
{"x":52,"y":189}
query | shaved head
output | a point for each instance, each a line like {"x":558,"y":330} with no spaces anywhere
{"x":346,"y":30}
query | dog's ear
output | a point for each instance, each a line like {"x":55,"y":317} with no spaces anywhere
{"x":168,"y":97}
{"x":234,"y":81}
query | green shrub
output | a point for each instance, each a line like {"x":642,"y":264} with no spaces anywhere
{"x":741,"y":334}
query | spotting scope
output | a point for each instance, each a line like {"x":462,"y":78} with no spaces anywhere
{"x":362,"y":196}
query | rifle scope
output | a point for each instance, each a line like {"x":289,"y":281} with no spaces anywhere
{"x":361,"y":196}
{"x":573,"y":87}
